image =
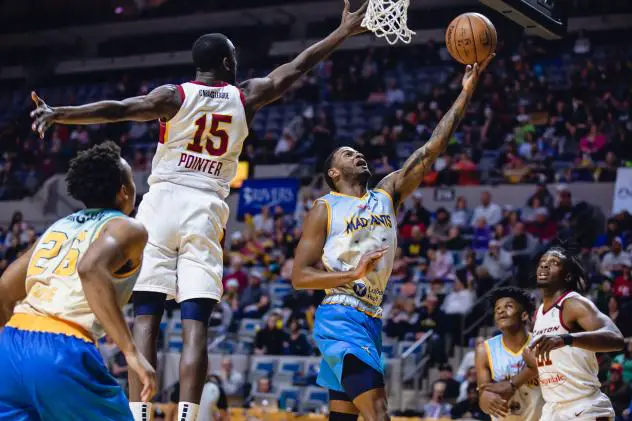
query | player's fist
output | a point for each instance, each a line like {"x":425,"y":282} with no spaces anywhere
{"x":368,"y":262}
{"x":145,"y":372}
{"x":42,"y":115}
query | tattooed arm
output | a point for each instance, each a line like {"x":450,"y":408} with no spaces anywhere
{"x":400,"y":184}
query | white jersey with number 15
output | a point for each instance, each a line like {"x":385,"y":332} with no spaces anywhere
{"x":200,"y":146}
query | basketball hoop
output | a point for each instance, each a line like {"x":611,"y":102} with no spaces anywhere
{"x":388,"y":19}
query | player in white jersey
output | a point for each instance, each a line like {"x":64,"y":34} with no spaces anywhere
{"x":500,"y":357}
{"x":203,"y":126}
{"x":65,"y":293}
{"x":349,"y":231}
{"x":568,"y":331}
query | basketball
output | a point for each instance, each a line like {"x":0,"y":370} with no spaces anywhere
{"x":471,"y":38}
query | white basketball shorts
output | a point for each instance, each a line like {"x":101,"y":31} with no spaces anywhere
{"x":593,"y":407}
{"x":183,"y":257}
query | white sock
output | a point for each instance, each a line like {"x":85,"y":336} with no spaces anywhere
{"x":141,"y":411}
{"x":187,"y":411}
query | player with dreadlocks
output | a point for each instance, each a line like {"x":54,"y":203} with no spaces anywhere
{"x":568,"y":331}
{"x":501,"y":357}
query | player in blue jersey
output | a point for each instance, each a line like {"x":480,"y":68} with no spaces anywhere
{"x":353,"y":232}
{"x":65,"y":293}
{"x":501,"y":357}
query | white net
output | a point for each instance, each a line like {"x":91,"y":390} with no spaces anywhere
{"x":388,"y":19}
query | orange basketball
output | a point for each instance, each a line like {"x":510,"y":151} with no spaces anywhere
{"x":471,"y":38}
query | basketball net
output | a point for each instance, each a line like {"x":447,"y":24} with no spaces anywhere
{"x":388,"y":19}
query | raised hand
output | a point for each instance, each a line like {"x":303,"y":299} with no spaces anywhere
{"x":42,"y":115}
{"x":368,"y":262}
{"x":472,"y":74}
{"x":351,"y":22}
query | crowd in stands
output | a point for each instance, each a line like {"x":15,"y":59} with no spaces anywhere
{"x":560,"y":115}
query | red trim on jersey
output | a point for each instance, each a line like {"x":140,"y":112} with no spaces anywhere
{"x":212,"y":85}
{"x":181,"y":92}
{"x":560,"y":298}
{"x":163,"y":127}
{"x":562,"y":318}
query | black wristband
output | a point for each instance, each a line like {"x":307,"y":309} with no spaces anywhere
{"x":568,"y":339}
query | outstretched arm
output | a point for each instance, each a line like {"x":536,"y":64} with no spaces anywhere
{"x":161,"y":103}
{"x":262,"y":91}
{"x":310,"y":250}
{"x":400,"y":184}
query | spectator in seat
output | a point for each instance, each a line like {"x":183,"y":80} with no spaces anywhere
{"x":488,"y":210}
{"x":460,"y":300}
{"x":213,"y":403}
{"x":298,"y":343}
{"x":614,"y":261}
{"x":410,"y":222}
{"x":593,"y":143}
{"x":232,"y":380}
{"x":455,"y":241}
{"x":446,"y":376}
{"x":237,"y":273}
{"x":437,"y":407}
{"x":431,"y":317}
{"x":440,"y":227}
{"x":469,"y":407}
{"x":604,"y":241}
{"x":519,"y":242}
{"x":254,"y":301}
{"x":623,"y":285}
{"x":543,"y":194}
{"x":272,"y":339}
{"x":543,"y":228}
{"x":461,"y":216}
{"x":468,"y":359}
{"x":529,"y":211}
{"x":423,"y":214}
{"x":416,"y":247}
{"x":564,"y":209}
{"x":589,"y":261}
{"x":625,"y":360}
{"x":264,"y":221}
{"x":617,"y":390}
{"x":441,"y":263}
{"x":399,"y":322}
{"x":481,"y":236}
{"x":497,"y":262}
{"x":470,"y":379}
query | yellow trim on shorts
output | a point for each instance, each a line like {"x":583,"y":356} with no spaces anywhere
{"x":129,"y":272}
{"x":387,"y":194}
{"x":489,"y":358}
{"x":45,"y":324}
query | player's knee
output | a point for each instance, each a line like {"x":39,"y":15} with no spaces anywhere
{"x":376,"y":411}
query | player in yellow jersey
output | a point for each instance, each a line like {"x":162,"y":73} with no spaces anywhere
{"x":65,"y":293}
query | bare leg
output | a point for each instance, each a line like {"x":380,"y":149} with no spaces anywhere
{"x":372,"y":405}
{"x":145,"y":332}
{"x":194,"y":361}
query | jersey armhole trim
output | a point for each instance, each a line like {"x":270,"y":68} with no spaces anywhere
{"x":489,"y":358}
{"x":328,"y":214}
{"x":561,"y":308}
{"x":390,"y":198}
{"x":182,"y":94}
